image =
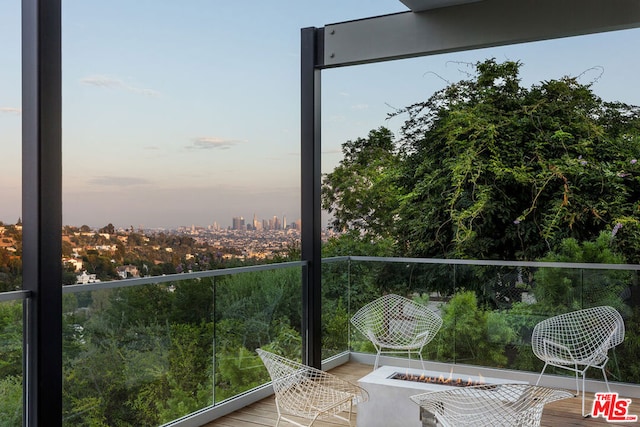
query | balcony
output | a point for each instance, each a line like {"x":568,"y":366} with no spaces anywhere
{"x":178,"y":350}
{"x":130,"y":352}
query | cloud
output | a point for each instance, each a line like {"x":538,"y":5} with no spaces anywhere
{"x":360,"y":107}
{"x":11,"y":110}
{"x":111,"y":83}
{"x":332,"y":151}
{"x":211,"y":142}
{"x":117,"y":181}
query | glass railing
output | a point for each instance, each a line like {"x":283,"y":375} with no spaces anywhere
{"x":11,"y":355}
{"x":150,"y":351}
{"x":489,"y":309}
{"x":145,"y":352}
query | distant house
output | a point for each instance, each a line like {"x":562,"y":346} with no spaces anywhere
{"x":125,"y":271}
{"x":75,"y":262}
{"x":86,"y":278}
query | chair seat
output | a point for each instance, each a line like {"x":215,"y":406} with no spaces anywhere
{"x":308,"y":392}
{"x":308,"y":399}
{"x":503,"y":405}
{"x":397,"y":341}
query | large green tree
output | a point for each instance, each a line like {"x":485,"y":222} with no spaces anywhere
{"x":361,"y":191}
{"x":487,"y":168}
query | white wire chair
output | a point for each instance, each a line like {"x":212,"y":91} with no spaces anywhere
{"x":309,"y":393}
{"x":396,"y":324}
{"x":502,"y":405}
{"x":578,"y":338}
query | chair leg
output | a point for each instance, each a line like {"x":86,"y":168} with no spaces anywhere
{"x":279,"y":414}
{"x":583,"y":374}
{"x":421,"y":361}
{"x":583,"y":392}
{"x":314,"y":420}
{"x":604,"y":375}
{"x":375,"y":365}
{"x":540,"y":376}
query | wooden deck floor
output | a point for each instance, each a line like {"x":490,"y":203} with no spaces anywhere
{"x":565,"y":413}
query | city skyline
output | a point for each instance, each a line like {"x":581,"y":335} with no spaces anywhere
{"x":181,"y":114}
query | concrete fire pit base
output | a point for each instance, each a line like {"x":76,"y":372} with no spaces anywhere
{"x":389,"y":404}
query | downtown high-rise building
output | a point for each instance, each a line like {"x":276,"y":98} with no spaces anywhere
{"x":237,"y":223}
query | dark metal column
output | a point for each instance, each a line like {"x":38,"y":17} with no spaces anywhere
{"x":311,"y":58}
{"x":42,"y":210}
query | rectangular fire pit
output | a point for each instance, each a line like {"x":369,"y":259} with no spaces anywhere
{"x":389,"y":404}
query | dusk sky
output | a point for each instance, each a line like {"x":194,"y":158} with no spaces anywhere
{"x":187,"y":112}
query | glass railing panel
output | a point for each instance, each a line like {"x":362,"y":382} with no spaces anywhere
{"x":560,"y":290}
{"x":624,"y":364}
{"x":486,"y":315}
{"x":336,"y":306}
{"x":255,"y":310}
{"x":11,"y":354}
{"x":495,"y":309}
{"x":427,"y":283}
{"x":489,"y":310}
{"x":137,"y":355}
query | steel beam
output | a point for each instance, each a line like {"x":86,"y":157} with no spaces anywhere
{"x":421,"y":5}
{"x":471,"y":26}
{"x":42,"y":211}
{"x":311,"y":54}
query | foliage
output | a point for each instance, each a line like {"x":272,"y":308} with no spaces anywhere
{"x":470,"y":334}
{"x":10,"y":339}
{"x":487,"y":168}
{"x":335,"y":321}
{"x":248,"y":305}
{"x":624,"y":366}
{"x":11,"y":401}
{"x":559,"y":290}
{"x":360,"y":193}
{"x":625,"y":238}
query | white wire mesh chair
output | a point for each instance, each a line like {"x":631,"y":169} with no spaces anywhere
{"x":309,"y":393}
{"x":502,"y":405}
{"x":396,"y":324}
{"x":578,"y":338}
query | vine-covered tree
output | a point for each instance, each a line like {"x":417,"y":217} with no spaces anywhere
{"x":486,"y":168}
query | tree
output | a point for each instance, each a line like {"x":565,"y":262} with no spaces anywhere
{"x":486,"y":168}
{"x":471,"y":334}
{"x":559,"y":290}
{"x":109,"y":229}
{"x":360,"y":193}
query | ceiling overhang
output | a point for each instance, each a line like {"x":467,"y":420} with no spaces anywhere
{"x":470,"y":25}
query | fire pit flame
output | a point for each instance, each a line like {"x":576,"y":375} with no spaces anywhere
{"x":438,"y":379}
